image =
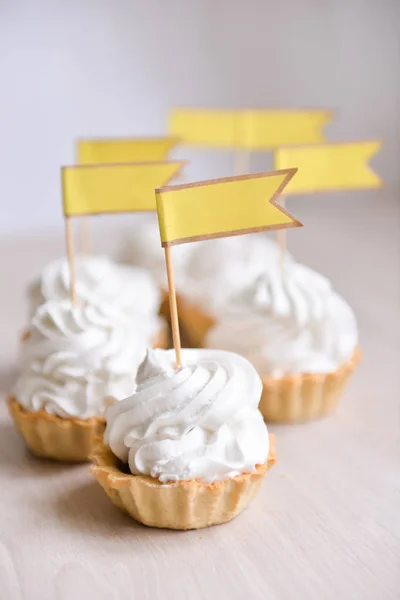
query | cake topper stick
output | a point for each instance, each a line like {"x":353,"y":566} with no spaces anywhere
{"x":248,"y":130}
{"x":327,"y":168}
{"x":69,"y":237}
{"x":103,"y":151}
{"x":100,"y":189}
{"x":173,"y":308}
{"x":218,"y":208}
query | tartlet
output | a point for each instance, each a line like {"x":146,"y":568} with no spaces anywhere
{"x":177,"y":456}
{"x":299,"y":334}
{"x":72,"y":359}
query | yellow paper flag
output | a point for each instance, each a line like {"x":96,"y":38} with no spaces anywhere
{"x":223,"y":207}
{"x":199,"y":127}
{"x":89,"y":190}
{"x":123,"y":150}
{"x":268,"y":129}
{"x":330,"y":167}
{"x":248,"y":129}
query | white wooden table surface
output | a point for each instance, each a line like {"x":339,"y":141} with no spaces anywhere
{"x":326,"y":525}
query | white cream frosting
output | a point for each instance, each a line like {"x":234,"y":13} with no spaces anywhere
{"x":288,"y":324}
{"x":218,"y":269}
{"x":77,"y":355}
{"x":98,"y":279}
{"x":143,"y":249}
{"x":206,"y":272}
{"x":198,"y":422}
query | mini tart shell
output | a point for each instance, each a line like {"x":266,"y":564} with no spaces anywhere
{"x":194,"y":322}
{"x":50,"y":436}
{"x":162,"y":339}
{"x":164,"y":306}
{"x":176,"y":505}
{"x":64,"y":439}
{"x":300,"y":398}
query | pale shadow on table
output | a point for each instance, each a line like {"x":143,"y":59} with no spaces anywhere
{"x":8,"y":377}
{"x":86,"y":508}
{"x":15,"y":458}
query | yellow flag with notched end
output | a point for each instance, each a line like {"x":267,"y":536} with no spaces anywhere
{"x":259,"y":129}
{"x":330,"y":167}
{"x":123,"y":150}
{"x":223,"y":207}
{"x":89,"y":190}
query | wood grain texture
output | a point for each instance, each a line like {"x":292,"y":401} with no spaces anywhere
{"x":326,"y":525}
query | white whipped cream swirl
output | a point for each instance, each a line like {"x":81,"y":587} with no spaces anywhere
{"x":143,"y":249}
{"x":218,"y":269}
{"x":77,"y":355}
{"x":98,"y":279}
{"x":288,"y":323}
{"x":198,"y":422}
{"x":209,"y":272}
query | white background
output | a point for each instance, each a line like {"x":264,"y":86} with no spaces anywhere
{"x":71,"y":68}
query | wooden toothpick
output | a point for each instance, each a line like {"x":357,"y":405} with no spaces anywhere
{"x":69,"y":237}
{"x":173,"y":307}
